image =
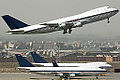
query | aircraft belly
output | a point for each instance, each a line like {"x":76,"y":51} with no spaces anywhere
{"x":76,"y":73}
{"x":44,"y":30}
{"x":89,"y":74}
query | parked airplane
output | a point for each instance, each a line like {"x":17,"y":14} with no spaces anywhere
{"x":60,"y":71}
{"x":40,"y":61}
{"x":98,"y":14}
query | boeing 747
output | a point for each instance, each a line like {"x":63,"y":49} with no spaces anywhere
{"x":63,"y":72}
{"x":65,"y":24}
{"x":40,"y":61}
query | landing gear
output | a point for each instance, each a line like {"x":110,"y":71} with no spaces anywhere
{"x":65,"y":31}
{"x":108,"y":20}
{"x":96,"y":77}
{"x":64,"y":78}
{"x":70,"y":30}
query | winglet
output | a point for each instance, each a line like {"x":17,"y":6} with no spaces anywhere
{"x":23,"y":62}
{"x":37,"y":58}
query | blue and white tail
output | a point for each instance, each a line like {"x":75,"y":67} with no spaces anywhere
{"x":14,"y":23}
{"x":23,"y":62}
{"x":37,"y":58}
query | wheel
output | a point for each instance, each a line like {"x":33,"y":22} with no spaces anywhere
{"x":70,"y":31}
{"x":65,"y":31}
{"x":108,"y":20}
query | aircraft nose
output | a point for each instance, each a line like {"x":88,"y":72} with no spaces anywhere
{"x":117,"y":10}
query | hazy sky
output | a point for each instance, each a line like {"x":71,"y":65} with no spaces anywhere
{"x":36,"y":11}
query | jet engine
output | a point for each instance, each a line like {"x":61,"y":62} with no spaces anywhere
{"x":66,"y":25}
{"x":59,"y":74}
{"x":77,"y":24}
{"x":72,"y":75}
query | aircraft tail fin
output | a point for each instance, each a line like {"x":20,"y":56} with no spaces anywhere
{"x":55,"y":64}
{"x":37,"y":58}
{"x":14,"y":23}
{"x":23,"y":62}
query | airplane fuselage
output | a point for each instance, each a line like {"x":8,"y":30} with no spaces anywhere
{"x":96,"y":64}
{"x":84,"y":18}
{"x":60,"y":71}
{"x":64,"y":24}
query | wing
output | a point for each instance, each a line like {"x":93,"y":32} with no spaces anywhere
{"x":57,"y":24}
{"x":50,"y":24}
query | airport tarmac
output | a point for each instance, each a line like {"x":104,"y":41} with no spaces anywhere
{"x":29,"y":76}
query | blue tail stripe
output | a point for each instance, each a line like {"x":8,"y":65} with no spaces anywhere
{"x":37,"y":58}
{"x":23,"y":62}
{"x":14,"y":23}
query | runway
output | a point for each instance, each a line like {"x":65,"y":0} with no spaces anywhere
{"x":29,"y":76}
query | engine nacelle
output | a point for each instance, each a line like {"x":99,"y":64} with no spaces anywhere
{"x":72,"y":75}
{"x":62,"y":24}
{"x":65,"y":25}
{"x":59,"y":74}
{"x":77,"y":24}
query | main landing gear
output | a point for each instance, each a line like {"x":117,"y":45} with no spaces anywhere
{"x":64,"y":78}
{"x":96,"y":77}
{"x":70,"y":30}
{"x":65,"y":31}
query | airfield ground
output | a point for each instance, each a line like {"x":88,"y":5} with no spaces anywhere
{"x":29,"y":76}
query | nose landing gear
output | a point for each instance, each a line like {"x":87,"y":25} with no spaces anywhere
{"x":108,"y":20}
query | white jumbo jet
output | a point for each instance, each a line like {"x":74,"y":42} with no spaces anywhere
{"x":40,"y":61}
{"x":98,"y":14}
{"x":60,"y":71}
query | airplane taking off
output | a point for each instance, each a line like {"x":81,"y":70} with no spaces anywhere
{"x":40,"y":61}
{"x":98,"y":14}
{"x":60,"y":71}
